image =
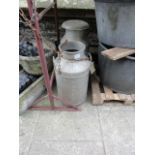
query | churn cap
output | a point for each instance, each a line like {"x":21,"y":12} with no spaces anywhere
{"x":75,"y":25}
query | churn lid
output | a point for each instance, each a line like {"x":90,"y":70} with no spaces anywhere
{"x":75,"y":25}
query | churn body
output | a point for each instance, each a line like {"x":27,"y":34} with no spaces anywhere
{"x":72,"y":80}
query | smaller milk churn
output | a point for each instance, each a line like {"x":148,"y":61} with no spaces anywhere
{"x":72,"y":73}
{"x":75,"y":30}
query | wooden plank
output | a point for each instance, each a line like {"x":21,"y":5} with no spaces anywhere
{"x":116,"y":97}
{"x":133,"y":97}
{"x":122,"y":97}
{"x":108,"y":93}
{"x":96,"y":94}
{"x":98,"y":98}
{"x":30,"y":94}
{"x":118,"y":53}
{"x":103,"y":97}
{"x":129,"y":99}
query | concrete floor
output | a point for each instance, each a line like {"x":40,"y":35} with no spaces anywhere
{"x":96,"y":130}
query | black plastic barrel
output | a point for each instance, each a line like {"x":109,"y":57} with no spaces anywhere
{"x":119,"y":75}
{"x":116,"y":22}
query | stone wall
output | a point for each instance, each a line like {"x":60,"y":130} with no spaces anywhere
{"x":77,"y":4}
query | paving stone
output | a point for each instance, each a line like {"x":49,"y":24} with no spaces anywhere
{"x":27,"y":123}
{"x":79,"y":133}
{"x":29,"y":116}
{"x":66,"y":148}
{"x":118,"y":131}
{"x":83,"y":125}
{"x":116,"y":106}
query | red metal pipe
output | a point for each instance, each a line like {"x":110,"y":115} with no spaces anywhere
{"x":40,"y":49}
{"x":66,"y":104}
{"x":30,"y":7}
{"x":58,"y":108}
{"x":42,"y":13}
{"x":67,"y":107}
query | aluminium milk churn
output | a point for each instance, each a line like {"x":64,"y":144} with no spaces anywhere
{"x":72,"y":73}
{"x":75,"y":30}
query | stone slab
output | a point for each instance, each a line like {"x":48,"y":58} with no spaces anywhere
{"x":83,"y":125}
{"x":117,"y":125}
{"x":66,"y":148}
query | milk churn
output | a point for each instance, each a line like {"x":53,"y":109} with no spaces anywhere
{"x":72,"y":73}
{"x":75,"y":30}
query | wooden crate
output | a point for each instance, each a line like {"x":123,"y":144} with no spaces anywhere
{"x":106,"y":95}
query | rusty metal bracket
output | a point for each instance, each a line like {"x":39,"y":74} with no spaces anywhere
{"x":42,"y":13}
{"x":48,"y":83}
